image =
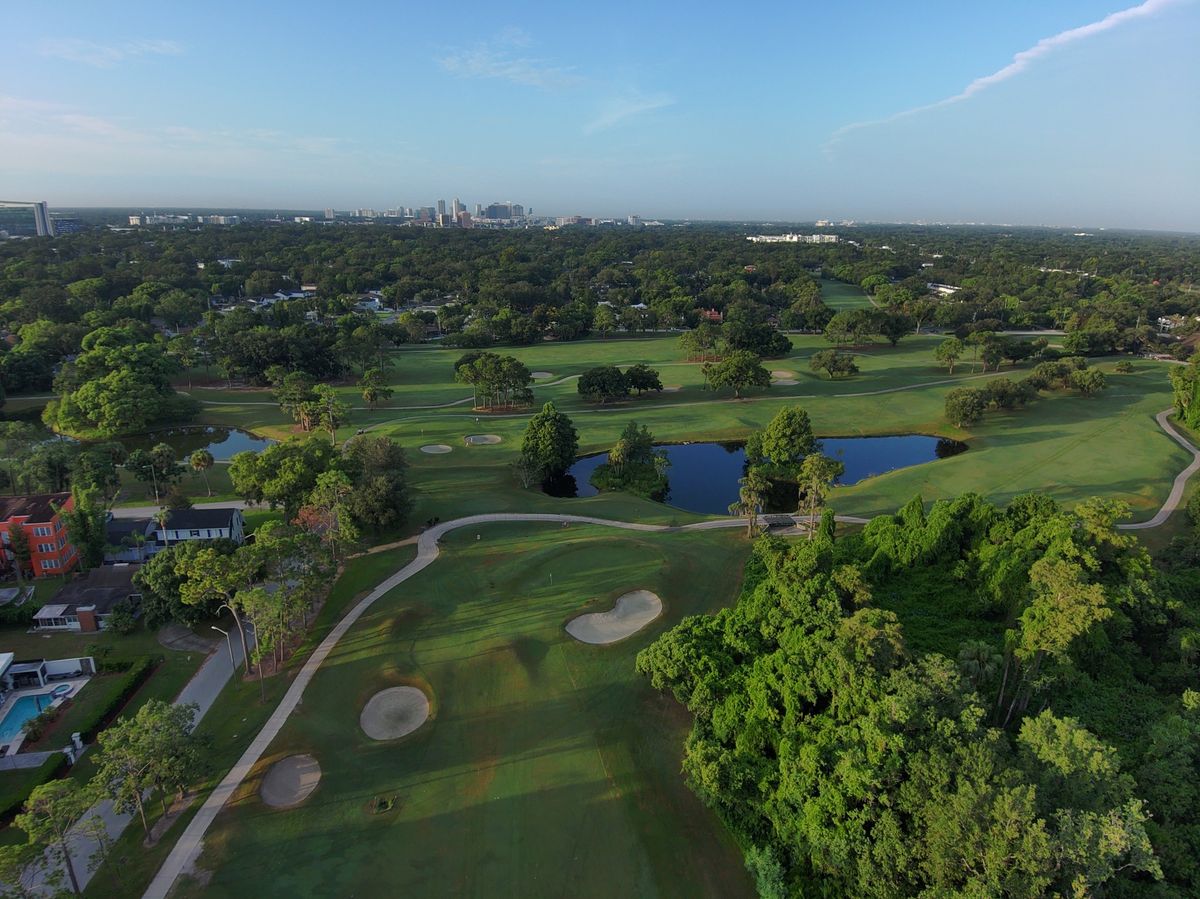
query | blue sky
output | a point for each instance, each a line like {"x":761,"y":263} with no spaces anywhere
{"x":748,"y":111}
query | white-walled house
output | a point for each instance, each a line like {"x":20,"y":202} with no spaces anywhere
{"x":201,"y":524}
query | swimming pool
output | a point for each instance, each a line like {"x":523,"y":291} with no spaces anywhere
{"x":22,"y":710}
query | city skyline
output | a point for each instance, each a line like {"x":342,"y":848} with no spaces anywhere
{"x":1071,"y":115}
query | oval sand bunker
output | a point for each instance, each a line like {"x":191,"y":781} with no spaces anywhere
{"x":541,"y":375}
{"x":630,"y":614}
{"x":435,"y":449}
{"x":394,"y":713}
{"x":290,"y":781}
{"x":482,"y":439}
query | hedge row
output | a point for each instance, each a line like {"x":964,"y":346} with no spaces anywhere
{"x":139,"y":672}
{"x":15,"y":786}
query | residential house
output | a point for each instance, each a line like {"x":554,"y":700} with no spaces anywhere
{"x":50,"y":550}
{"x":129,"y":539}
{"x":201,"y":524}
{"x":137,"y":539}
{"x":85,"y":604}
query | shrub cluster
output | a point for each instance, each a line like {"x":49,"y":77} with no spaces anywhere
{"x":966,"y":405}
{"x":133,"y":678}
{"x":16,"y":786}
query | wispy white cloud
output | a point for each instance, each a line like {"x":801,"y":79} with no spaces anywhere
{"x":617,"y":110}
{"x":37,"y":133}
{"x":1020,"y":62}
{"x":501,"y":57}
{"x":105,"y":56}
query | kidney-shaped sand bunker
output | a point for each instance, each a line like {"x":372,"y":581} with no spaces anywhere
{"x":629,"y":614}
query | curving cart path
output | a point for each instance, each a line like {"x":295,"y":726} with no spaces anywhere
{"x":188,"y":847}
{"x":1175,"y":497}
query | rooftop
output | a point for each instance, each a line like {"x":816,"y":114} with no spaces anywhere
{"x":37,"y":507}
{"x":101,"y":588}
{"x":186,"y":519}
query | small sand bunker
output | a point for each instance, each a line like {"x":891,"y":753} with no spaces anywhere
{"x":783,"y":375}
{"x":784,"y":382}
{"x":290,"y":781}
{"x":672,"y":388}
{"x":482,"y":439}
{"x":541,"y":375}
{"x":435,"y":449}
{"x":394,"y":713}
{"x":632,"y":612}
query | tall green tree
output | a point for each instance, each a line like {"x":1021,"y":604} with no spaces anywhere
{"x":739,"y":370}
{"x":550,"y":442}
{"x":332,"y":413}
{"x":948,"y":352}
{"x":47,"y":818}
{"x":816,"y":476}
{"x":373,"y":385}
{"x":85,"y":522}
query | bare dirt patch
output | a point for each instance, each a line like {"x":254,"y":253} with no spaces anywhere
{"x":290,"y":781}
{"x":394,"y":713}
{"x":629,"y":614}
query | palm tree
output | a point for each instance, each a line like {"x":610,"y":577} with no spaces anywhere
{"x":816,"y":476}
{"x":978,"y":662}
{"x":161,"y":517}
{"x":202,"y":460}
{"x":754,"y":487}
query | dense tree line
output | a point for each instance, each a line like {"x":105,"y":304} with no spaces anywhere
{"x":944,"y":704}
{"x":151,"y":293}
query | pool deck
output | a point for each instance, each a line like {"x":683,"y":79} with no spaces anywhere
{"x":75,"y":683}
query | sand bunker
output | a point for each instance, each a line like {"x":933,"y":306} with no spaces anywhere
{"x":672,"y":388}
{"x":290,"y":781}
{"x":632,"y":612}
{"x":482,"y":439}
{"x":394,"y":713}
{"x":784,"y":382}
{"x":435,"y":449}
{"x":541,"y":375}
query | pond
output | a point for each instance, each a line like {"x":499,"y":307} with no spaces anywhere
{"x":704,"y":476}
{"x":223,"y":443}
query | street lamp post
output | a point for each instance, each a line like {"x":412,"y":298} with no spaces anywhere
{"x":229,"y":643}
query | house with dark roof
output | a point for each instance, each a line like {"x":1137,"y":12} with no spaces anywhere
{"x":85,"y":604}
{"x":50,"y":552}
{"x":129,"y":539}
{"x":201,"y":524}
{"x":137,"y":539}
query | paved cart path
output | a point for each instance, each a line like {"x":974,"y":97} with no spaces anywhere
{"x":187,"y":848}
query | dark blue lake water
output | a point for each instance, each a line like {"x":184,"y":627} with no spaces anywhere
{"x":704,"y":476}
{"x":223,"y":443}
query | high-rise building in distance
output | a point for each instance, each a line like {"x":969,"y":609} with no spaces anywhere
{"x":41,"y":224}
{"x":456,"y":207}
{"x":441,"y":207}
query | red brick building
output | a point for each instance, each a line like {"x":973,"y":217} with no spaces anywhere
{"x":50,"y":552}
